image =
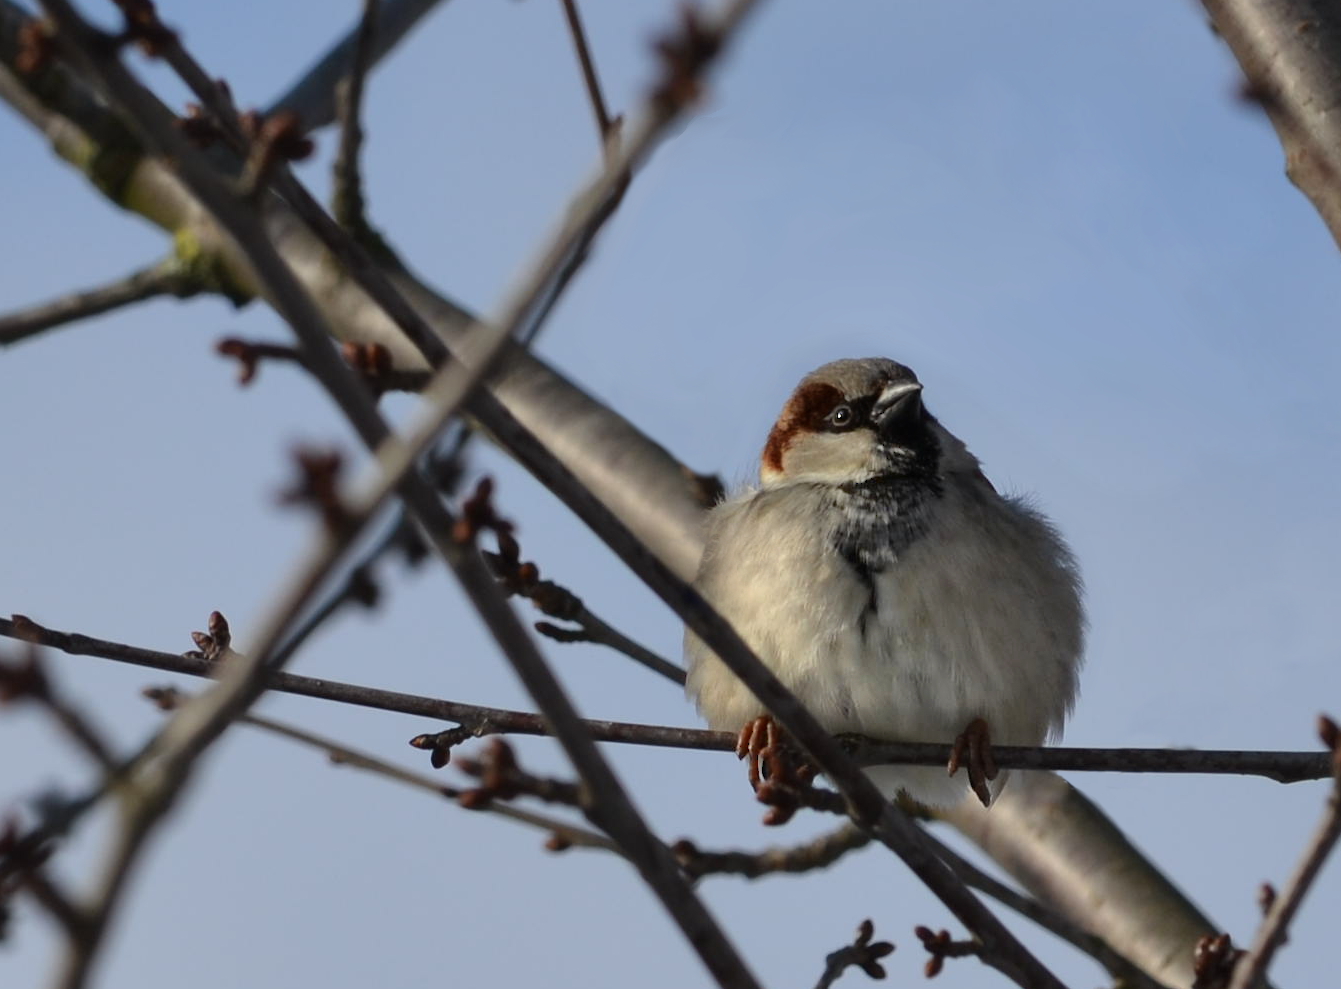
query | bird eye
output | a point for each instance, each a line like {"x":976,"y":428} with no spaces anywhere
{"x":842,"y":417}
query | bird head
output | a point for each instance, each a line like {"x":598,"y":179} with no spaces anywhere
{"x":854,"y":420}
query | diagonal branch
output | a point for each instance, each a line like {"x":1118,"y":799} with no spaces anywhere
{"x":167,"y":277}
{"x":1271,"y":935}
{"x":347,"y":197}
{"x":313,"y":97}
{"x":604,"y":125}
{"x":1290,"y":52}
{"x":1062,"y":849}
{"x":1119,"y":966}
{"x":343,"y":755}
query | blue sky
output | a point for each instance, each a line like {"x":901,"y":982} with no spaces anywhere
{"x":1059,"y":214}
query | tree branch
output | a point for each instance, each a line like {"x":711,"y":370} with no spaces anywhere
{"x":347,"y":201}
{"x":343,"y":755}
{"x":1120,"y":967}
{"x":1271,"y":935}
{"x":818,"y":853}
{"x":861,"y":953}
{"x":1285,"y":767}
{"x":312,"y":97}
{"x":604,"y":125}
{"x":165,"y":278}
{"x":1062,"y":849}
{"x":1290,"y":53}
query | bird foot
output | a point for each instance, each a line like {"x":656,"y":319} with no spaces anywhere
{"x":973,"y":748}
{"x":763,"y":745}
{"x":780,"y":777}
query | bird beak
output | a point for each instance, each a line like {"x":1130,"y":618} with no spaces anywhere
{"x":898,"y":403}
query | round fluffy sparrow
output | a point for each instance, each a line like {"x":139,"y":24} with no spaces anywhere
{"x":884,"y":580}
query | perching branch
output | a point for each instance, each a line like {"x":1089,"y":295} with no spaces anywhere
{"x":481,"y":720}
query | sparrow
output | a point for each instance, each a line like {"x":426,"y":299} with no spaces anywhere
{"x":884,"y":580}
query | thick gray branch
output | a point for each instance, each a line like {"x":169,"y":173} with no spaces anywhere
{"x":1290,"y":52}
{"x":313,"y":96}
{"x":1065,"y":852}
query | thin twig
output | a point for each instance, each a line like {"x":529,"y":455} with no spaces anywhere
{"x":1275,"y":925}
{"x":165,"y":278}
{"x":591,"y":628}
{"x":604,"y":125}
{"x":480,"y":719}
{"x":819,"y":853}
{"x":347,"y":201}
{"x":861,"y":953}
{"x":1284,"y":767}
{"x":251,"y":353}
{"x":343,"y":755}
{"x":940,"y":945}
{"x":523,"y":578}
{"x":502,"y":778}
{"x":54,"y":900}
{"x":27,"y":679}
{"x":616,"y":815}
{"x":610,"y":807}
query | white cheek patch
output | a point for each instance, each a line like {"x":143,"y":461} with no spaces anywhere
{"x":828,"y":458}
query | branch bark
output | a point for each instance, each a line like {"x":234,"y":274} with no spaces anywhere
{"x":1290,"y":53}
{"x":1283,"y":767}
{"x":164,"y":278}
{"x":1061,"y":848}
{"x":313,"y":96}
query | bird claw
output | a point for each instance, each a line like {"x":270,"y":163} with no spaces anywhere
{"x":760,"y":743}
{"x":780,"y":778}
{"x":973,"y":749}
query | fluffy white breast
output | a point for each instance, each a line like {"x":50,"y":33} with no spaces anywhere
{"x":979,"y":616}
